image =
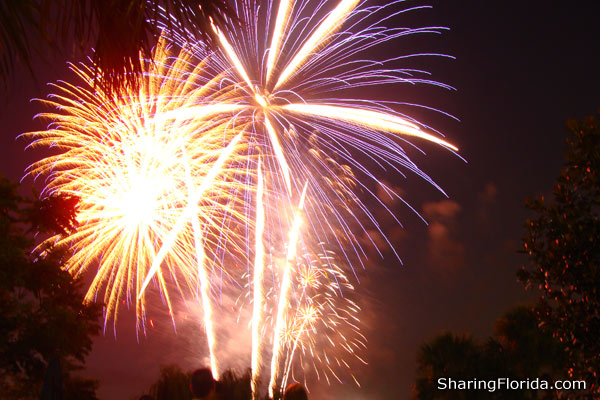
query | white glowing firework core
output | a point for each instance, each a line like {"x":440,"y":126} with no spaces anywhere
{"x":138,"y":204}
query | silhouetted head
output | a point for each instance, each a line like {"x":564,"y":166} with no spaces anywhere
{"x":203,"y":382}
{"x":295,"y":391}
{"x":146,"y":397}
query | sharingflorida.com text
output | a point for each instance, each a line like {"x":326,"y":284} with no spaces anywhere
{"x":491,"y":385}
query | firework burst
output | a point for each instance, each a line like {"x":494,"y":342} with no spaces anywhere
{"x":293,"y":81}
{"x":150,"y":173}
{"x":250,"y":152}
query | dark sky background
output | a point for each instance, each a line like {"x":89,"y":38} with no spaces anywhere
{"x":522,"y":68}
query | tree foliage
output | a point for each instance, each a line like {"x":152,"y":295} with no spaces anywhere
{"x":42,"y":314}
{"x":518,"y":350}
{"x":448,"y":355}
{"x":174,"y":384}
{"x":232,"y":386}
{"x":119,"y":30}
{"x":563,"y":244}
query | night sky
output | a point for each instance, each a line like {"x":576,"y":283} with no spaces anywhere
{"x":522,"y":68}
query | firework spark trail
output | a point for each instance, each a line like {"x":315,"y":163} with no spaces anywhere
{"x":261,"y":101}
{"x":258,"y":277}
{"x":372,"y":119}
{"x":325,"y":29}
{"x":202,"y":273}
{"x":283,"y":14}
{"x":234,"y":58}
{"x":294,"y":236}
{"x":278,"y":153}
{"x":188,"y":212}
{"x":205,"y":292}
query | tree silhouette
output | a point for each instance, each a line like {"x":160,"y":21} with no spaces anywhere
{"x":518,"y":350}
{"x":174,"y":384}
{"x":447,"y":356}
{"x":232,"y":386}
{"x":42,"y":314}
{"x":119,"y":30}
{"x":563,"y":244}
{"x":529,"y":351}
